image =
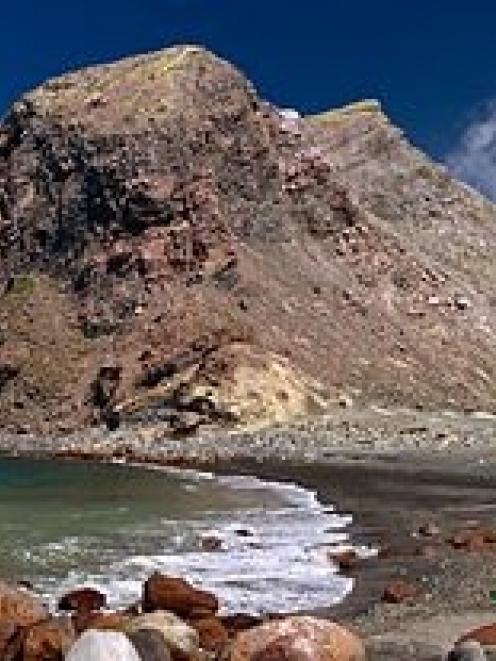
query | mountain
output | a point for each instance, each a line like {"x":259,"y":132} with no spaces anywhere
{"x":175,"y":250}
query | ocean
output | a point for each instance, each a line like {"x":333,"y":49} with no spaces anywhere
{"x":66,"y":525}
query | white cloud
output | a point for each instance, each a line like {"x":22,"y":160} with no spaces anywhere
{"x":474,"y":159}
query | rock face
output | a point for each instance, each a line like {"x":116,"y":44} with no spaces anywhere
{"x":175,"y":250}
{"x":298,"y":639}
{"x":102,"y":646}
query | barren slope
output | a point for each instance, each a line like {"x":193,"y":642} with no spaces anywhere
{"x":174,"y":249}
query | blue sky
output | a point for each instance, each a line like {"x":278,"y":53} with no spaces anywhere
{"x":431,"y":62}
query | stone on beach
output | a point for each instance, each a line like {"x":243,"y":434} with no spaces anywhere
{"x":176,"y":635}
{"x":469,"y":540}
{"x":347,"y":561}
{"x":213,"y":634}
{"x":48,"y":640}
{"x":100,"y":621}
{"x":399,"y":591}
{"x":150,"y":645}
{"x":177,"y":596}
{"x":20,"y":607}
{"x":83,"y":600}
{"x":298,"y":639}
{"x":103,"y":646}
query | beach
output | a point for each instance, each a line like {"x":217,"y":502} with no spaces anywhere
{"x":408,"y":500}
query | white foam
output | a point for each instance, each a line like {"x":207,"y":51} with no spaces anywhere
{"x":278,"y":563}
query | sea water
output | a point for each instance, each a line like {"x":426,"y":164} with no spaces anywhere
{"x":66,"y":525}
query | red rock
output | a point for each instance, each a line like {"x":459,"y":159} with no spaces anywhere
{"x":280,"y":650}
{"x":468,"y":540}
{"x":347,"y":561}
{"x":10,"y":640}
{"x":177,"y":596}
{"x":384,"y":553}
{"x":210,"y":543}
{"x":297,"y":639}
{"x":20,"y":607}
{"x":84,"y":600}
{"x":48,"y":640}
{"x":485,"y":635}
{"x":100,"y":621}
{"x":399,"y":591}
{"x":213,"y":634}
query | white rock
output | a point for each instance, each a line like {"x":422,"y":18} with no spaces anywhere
{"x":177,"y":635}
{"x":103,"y":646}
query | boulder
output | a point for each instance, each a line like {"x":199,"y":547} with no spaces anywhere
{"x":48,"y":640}
{"x":177,"y":596}
{"x":20,"y":607}
{"x":298,"y":639}
{"x":150,"y":645}
{"x":399,"y":591}
{"x":83,"y":600}
{"x":177,"y":636}
{"x":103,"y":646}
{"x":214,"y":636}
{"x":100,"y":621}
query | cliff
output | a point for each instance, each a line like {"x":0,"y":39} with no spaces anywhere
{"x":176,"y":250}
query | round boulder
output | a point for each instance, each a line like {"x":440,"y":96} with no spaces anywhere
{"x":48,"y":640}
{"x":298,"y":639}
{"x":20,"y":607}
{"x":181,"y":639}
{"x":177,"y":596}
{"x":103,"y":646}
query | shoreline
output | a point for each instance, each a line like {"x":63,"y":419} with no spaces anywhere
{"x":391,"y":492}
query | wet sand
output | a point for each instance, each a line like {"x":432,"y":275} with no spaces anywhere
{"x":391,"y":499}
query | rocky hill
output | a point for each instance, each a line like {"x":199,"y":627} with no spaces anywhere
{"x":176,"y":250}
